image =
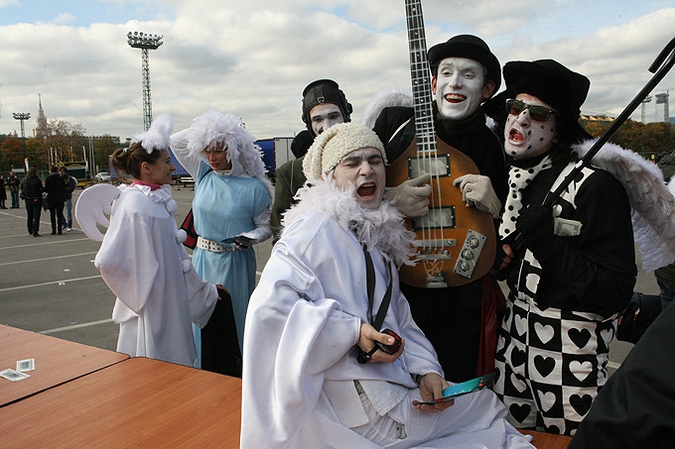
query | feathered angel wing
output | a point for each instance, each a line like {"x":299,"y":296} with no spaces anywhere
{"x":385,"y":98}
{"x":652,"y":204}
{"x":93,"y":207}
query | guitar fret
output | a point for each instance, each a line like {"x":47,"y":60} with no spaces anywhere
{"x":419,"y":73}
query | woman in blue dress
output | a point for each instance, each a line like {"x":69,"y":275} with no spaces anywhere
{"x":231,"y":209}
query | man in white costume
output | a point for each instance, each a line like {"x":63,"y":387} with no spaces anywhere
{"x":310,"y":317}
{"x":142,"y":259}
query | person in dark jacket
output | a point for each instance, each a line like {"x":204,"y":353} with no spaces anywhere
{"x":324,"y":104}
{"x":465,"y":73}
{"x":70,"y":184}
{"x":31,"y":192}
{"x":575,"y":270}
{"x":636,"y":406}
{"x":56,"y":197}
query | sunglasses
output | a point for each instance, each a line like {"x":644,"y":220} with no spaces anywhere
{"x":537,"y":113}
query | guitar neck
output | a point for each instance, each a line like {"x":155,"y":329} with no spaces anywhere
{"x":420,"y":77}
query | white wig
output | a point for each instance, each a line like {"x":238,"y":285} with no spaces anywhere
{"x":213,"y":127}
{"x":158,"y":136}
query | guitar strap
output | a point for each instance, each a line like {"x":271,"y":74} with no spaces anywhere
{"x":362,"y":356}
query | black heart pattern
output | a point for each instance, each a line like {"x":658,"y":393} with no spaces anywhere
{"x":518,"y":357}
{"x":580,"y":337}
{"x":581,"y":404}
{"x":520,"y":412}
{"x":544,"y":365}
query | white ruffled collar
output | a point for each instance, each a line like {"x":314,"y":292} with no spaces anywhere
{"x":381,"y":228}
{"x":161,"y":195}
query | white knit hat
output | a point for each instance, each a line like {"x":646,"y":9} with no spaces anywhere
{"x":333,"y":144}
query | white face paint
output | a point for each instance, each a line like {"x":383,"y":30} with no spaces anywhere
{"x":365,"y":169}
{"x":325,"y":115}
{"x":460,"y":87}
{"x":526,"y":138}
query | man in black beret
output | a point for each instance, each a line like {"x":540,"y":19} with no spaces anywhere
{"x":575,"y":269}
{"x":324,"y":104}
{"x":465,"y":73}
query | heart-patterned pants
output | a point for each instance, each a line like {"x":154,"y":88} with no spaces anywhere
{"x":550,"y":365}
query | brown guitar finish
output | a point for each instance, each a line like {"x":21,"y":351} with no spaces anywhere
{"x":455,"y":244}
{"x":441,"y":234}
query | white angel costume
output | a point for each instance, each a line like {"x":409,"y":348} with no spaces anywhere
{"x":159,"y":293}
{"x":302,"y":384}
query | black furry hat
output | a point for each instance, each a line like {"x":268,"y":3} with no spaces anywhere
{"x":554,"y":84}
{"x":324,"y":91}
{"x":470,"y":47}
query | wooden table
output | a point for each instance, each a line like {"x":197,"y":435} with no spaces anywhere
{"x":56,"y":361}
{"x":136,"y":403}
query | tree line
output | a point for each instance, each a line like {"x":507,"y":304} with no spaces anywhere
{"x":61,"y":142}
{"x":56,"y":142}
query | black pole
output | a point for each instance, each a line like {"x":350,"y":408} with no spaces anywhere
{"x":668,"y":50}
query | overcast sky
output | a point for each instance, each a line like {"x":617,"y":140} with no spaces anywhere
{"x":254,"y":57}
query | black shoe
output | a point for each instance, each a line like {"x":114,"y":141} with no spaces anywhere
{"x":53,"y":232}
{"x":37,"y":235}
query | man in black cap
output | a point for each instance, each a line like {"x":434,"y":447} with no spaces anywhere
{"x":324,"y":104}
{"x":575,"y":269}
{"x":465,"y":73}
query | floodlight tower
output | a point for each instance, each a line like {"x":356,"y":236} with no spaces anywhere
{"x":145,"y":42}
{"x":22,"y":116}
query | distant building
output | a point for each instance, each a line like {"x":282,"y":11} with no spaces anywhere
{"x":41,"y":120}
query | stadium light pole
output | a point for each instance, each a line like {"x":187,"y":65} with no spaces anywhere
{"x":22,"y":116}
{"x":145,"y":42}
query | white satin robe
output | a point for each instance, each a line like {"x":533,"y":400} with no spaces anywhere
{"x":158,"y":291}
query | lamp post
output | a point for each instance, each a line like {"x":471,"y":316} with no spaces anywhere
{"x":22,"y":116}
{"x":145,"y":42}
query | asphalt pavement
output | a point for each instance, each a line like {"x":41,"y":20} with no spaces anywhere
{"x":49,"y":284}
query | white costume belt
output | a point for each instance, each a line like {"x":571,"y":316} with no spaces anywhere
{"x":214,"y":247}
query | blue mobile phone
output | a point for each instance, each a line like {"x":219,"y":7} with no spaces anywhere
{"x":462,"y":388}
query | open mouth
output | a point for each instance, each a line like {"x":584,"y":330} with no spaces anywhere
{"x":454,"y":98}
{"x":516,"y":136}
{"x":367,"y":190}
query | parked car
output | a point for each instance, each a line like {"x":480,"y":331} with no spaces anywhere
{"x":103,"y":176}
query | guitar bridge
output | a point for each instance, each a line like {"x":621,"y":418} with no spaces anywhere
{"x":468,"y":255}
{"x":434,"y":249}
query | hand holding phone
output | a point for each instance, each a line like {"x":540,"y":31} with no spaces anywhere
{"x":392,"y":348}
{"x":460,"y":389}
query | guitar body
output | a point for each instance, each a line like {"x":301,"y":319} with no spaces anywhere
{"x":455,"y":244}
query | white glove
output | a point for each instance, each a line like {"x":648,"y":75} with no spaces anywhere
{"x":411,"y":197}
{"x":477,"y":191}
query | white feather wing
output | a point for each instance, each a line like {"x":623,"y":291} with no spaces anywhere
{"x":93,"y":208}
{"x":652,"y":204}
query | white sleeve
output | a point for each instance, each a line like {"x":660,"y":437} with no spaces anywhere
{"x":262,"y":230}
{"x":191,"y":162}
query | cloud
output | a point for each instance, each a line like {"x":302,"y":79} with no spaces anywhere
{"x":254,"y":58}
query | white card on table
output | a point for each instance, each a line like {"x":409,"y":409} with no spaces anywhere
{"x":25,"y":365}
{"x":12,"y":375}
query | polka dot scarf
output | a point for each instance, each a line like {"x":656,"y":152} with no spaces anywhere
{"x":519,"y":178}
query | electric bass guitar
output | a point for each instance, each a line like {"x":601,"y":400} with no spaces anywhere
{"x":455,"y":244}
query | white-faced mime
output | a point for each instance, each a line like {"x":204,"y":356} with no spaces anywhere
{"x":311,"y":315}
